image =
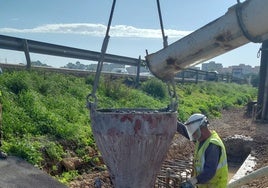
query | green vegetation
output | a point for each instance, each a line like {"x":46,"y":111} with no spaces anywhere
{"x":45,"y":116}
{"x":210,"y":98}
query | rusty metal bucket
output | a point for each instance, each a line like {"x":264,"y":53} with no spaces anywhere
{"x":133,"y":143}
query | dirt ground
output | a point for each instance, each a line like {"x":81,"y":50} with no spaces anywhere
{"x":235,"y":122}
{"x":232,"y":123}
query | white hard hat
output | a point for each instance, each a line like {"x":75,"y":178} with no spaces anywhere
{"x":193,"y":123}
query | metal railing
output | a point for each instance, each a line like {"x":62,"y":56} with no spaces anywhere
{"x":27,"y":46}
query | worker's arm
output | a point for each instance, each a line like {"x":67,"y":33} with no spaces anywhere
{"x":212,"y":156}
{"x":182,"y":130}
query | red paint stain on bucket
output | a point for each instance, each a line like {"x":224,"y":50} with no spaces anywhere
{"x":137,"y":126}
{"x":127,"y":118}
{"x":113,"y":132}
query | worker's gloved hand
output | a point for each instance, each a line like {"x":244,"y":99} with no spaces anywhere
{"x":190,"y":183}
{"x":187,"y":184}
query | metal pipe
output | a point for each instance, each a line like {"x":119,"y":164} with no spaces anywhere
{"x":264,"y":82}
{"x":218,"y":37}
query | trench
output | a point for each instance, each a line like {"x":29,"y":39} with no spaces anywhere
{"x":240,"y":160}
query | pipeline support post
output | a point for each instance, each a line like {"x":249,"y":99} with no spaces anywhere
{"x":138,"y":72}
{"x":27,"y":54}
{"x":262,"y":102}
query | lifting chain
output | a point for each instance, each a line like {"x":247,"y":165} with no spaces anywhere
{"x":93,"y":104}
{"x":171,"y":84}
{"x":173,"y":96}
{"x":165,"y":43}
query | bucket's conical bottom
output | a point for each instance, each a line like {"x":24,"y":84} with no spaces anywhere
{"x":133,"y":143}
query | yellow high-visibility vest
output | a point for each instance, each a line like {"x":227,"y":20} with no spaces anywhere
{"x":221,"y":177}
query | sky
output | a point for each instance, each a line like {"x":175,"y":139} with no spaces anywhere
{"x":135,"y":27}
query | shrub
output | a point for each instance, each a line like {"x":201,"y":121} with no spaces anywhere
{"x":16,"y":83}
{"x":26,"y":148}
{"x":54,"y":151}
{"x":115,"y":89}
{"x":155,"y":88}
{"x":66,"y":177}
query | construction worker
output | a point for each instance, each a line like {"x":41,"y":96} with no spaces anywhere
{"x":210,"y":160}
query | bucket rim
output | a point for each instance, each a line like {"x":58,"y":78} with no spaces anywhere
{"x":135,"y":110}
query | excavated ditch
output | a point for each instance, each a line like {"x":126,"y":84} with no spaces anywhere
{"x":238,"y":149}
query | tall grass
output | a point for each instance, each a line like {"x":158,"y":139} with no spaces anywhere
{"x":45,"y":115}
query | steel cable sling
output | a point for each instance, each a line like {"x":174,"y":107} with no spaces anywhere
{"x":170,"y":83}
{"x":100,"y":62}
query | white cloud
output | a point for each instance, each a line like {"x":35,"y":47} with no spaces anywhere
{"x":98,"y":30}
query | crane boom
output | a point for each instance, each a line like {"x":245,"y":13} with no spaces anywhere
{"x":242,"y":23}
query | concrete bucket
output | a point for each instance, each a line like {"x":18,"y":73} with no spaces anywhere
{"x":133,"y":143}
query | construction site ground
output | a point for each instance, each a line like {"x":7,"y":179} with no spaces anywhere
{"x":242,"y":135}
